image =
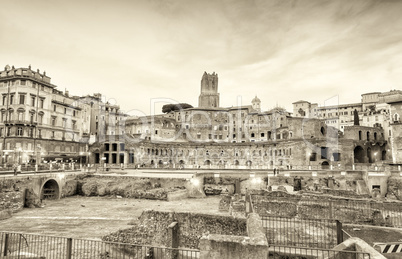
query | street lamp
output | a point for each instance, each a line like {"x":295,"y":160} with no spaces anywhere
{"x":87,"y":158}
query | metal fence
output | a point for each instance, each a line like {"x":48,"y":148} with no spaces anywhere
{"x":49,"y":247}
{"x":357,"y":211}
{"x":302,"y":232}
{"x":282,"y":252}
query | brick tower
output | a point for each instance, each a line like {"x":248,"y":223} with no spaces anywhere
{"x":209,"y":97}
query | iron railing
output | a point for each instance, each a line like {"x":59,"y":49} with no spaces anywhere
{"x":280,"y":252}
{"x":302,"y":232}
{"x":357,"y":211}
{"x":50,"y":247}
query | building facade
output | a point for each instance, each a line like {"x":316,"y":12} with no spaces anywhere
{"x":244,"y":137}
{"x":38,"y":123}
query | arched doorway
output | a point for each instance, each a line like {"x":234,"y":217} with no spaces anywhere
{"x":325,"y":165}
{"x":359,"y":154}
{"x":160,"y":163}
{"x":236,"y":162}
{"x":50,"y":190}
{"x":207,"y":162}
{"x":248,"y":163}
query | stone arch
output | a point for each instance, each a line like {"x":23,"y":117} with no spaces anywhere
{"x":359,"y":154}
{"x":207,"y":162}
{"x":50,"y":190}
{"x":325,"y":165}
{"x":396,"y":117}
{"x":236,"y":162}
{"x":249,"y":163}
{"x":322,"y":131}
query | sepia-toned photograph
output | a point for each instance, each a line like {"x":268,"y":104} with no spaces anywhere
{"x":185,"y":129}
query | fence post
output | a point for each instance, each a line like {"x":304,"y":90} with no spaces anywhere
{"x":69,"y":248}
{"x":174,"y":237}
{"x":339,"y":232}
{"x":248,"y":202}
{"x":6,"y":244}
{"x":331,"y":210}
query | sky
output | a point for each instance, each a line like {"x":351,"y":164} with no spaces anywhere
{"x":138,"y":53}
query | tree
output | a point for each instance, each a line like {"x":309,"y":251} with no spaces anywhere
{"x":356,"y":118}
{"x":175,"y":107}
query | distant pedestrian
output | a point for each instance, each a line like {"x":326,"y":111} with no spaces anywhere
{"x":15,"y":167}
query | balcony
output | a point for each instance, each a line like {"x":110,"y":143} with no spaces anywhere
{"x":20,"y":122}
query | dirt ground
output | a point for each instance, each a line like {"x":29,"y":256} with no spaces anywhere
{"x":93,"y":217}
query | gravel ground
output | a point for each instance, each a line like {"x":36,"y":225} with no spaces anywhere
{"x":93,"y":217}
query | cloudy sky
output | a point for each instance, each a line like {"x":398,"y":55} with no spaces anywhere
{"x":281,"y":50}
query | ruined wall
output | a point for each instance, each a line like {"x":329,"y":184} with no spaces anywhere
{"x":12,"y":195}
{"x":129,"y":187}
{"x":337,"y":184}
{"x":318,"y":206}
{"x":152,"y":228}
{"x":394,"y":190}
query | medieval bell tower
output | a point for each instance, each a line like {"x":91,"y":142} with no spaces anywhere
{"x":209,"y":97}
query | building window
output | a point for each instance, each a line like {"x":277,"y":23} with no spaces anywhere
{"x":53,"y":121}
{"x":11,"y":99}
{"x":53,"y":134}
{"x":41,"y":102}
{"x":4,"y":99}
{"x":54,"y":107}
{"x":1,"y":132}
{"x":22,"y":98}
{"x":74,"y":125}
{"x":65,"y":110}
{"x":30,"y":132}
{"x":31,"y":117}
{"x":19,"y":131}
{"x":10,"y":114}
{"x":8,"y":131}
{"x":20,"y":116}
{"x":40,"y":133}
{"x":40,"y":119}
{"x":33,"y":100}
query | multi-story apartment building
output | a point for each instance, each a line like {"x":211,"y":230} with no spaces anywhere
{"x":38,"y":123}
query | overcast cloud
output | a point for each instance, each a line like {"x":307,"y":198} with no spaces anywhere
{"x":280,"y":50}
